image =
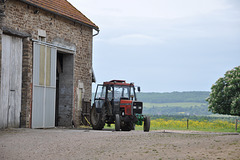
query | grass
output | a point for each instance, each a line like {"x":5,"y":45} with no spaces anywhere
{"x":205,"y":125}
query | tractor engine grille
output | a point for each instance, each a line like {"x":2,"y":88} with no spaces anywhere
{"x":137,"y":107}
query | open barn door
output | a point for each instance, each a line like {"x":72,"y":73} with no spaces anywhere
{"x":44,"y":85}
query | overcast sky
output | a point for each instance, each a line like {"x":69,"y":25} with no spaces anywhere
{"x":164,"y":45}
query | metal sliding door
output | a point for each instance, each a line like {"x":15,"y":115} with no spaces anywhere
{"x":44,"y":85}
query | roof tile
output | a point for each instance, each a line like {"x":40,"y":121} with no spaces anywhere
{"x":64,"y":8}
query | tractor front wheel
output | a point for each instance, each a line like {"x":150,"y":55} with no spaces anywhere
{"x":96,"y":119}
{"x":117,"y":122}
{"x":146,"y":124}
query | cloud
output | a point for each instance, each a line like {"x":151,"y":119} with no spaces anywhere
{"x":134,"y":40}
{"x":162,"y":20}
{"x":166,"y":9}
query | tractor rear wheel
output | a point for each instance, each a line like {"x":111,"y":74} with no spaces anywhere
{"x":96,"y":119}
{"x":117,"y":122}
{"x":146,"y":124}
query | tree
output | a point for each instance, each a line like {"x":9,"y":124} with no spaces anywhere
{"x":225,"y":94}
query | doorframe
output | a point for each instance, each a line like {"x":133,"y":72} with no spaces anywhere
{"x":60,"y":47}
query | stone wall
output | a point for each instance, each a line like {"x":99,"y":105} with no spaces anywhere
{"x":26,"y":109}
{"x":22,"y":18}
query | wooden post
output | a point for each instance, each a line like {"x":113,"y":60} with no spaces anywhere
{"x":236,"y":125}
{"x":187,"y":123}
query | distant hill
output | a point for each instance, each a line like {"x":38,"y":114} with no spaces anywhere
{"x":174,"y":97}
{"x":175,"y":103}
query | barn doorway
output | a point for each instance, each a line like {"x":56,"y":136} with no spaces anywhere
{"x":64,"y":89}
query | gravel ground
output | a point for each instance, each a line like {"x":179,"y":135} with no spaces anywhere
{"x":64,"y":144}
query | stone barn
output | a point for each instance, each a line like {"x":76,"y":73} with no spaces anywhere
{"x":45,"y":64}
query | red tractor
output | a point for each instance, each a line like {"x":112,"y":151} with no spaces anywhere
{"x":115,"y":102}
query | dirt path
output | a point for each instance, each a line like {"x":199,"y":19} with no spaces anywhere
{"x":62,"y":144}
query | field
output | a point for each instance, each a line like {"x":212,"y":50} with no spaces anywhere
{"x":177,"y":104}
{"x":205,"y":125}
{"x":212,"y":123}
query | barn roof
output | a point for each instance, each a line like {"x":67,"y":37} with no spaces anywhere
{"x":62,"y":8}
